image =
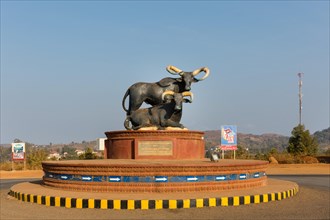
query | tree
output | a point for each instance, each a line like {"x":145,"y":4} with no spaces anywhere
{"x":301,"y":142}
{"x":273,"y":151}
{"x":35,"y":156}
{"x":69,"y":153}
{"x":242,"y":152}
{"x":88,"y":155}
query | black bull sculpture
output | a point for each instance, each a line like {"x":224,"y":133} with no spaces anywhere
{"x":151,"y":93}
{"x":160,"y":116}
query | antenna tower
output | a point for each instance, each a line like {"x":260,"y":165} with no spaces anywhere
{"x":300,"y":75}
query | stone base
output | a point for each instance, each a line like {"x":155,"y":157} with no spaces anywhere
{"x":154,"y":176}
{"x":149,"y":144}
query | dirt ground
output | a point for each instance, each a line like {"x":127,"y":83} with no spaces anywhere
{"x":273,"y":169}
{"x":298,"y":169}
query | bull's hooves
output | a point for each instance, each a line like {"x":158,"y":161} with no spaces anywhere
{"x":175,"y":128}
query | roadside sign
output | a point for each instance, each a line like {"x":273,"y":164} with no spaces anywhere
{"x":18,"y":151}
{"x":228,"y":138}
{"x":229,"y":135}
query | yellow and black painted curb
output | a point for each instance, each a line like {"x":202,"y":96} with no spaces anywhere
{"x":152,"y":204}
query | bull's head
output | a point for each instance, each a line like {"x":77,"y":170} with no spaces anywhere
{"x":189,"y":77}
{"x":178,"y":98}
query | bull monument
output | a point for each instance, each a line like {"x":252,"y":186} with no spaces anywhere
{"x":153,"y":162}
{"x":156,"y":132}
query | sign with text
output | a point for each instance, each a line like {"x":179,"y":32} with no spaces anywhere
{"x":228,"y":147}
{"x":155,"y":148}
{"x":228,"y":137}
{"x":18,"y":151}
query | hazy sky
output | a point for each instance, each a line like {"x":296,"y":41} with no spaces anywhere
{"x":65,"y":65}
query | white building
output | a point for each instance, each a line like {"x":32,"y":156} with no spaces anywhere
{"x":100,"y":143}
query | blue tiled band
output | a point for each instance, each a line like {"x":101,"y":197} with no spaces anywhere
{"x":156,"y":179}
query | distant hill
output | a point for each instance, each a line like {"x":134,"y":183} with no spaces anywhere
{"x":265,"y":142}
{"x":253,"y":142}
{"x":323,"y":137}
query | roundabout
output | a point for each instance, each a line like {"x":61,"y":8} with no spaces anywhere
{"x":36,"y":192}
{"x":66,"y":184}
{"x":156,"y":163}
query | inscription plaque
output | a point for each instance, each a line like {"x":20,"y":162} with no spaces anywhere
{"x":155,"y":148}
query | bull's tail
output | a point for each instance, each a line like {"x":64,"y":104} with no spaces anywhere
{"x":123,"y":101}
{"x":126,"y":123}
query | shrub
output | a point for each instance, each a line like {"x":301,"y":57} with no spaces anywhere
{"x":7,"y":166}
{"x":261,"y":156}
{"x":284,"y":158}
{"x":306,"y":159}
{"x":35,"y":157}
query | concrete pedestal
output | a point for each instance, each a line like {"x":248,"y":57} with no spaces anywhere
{"x":180,"y":144}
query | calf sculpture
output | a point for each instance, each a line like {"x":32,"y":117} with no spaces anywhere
{"x":161,"y":116}
{"x":151,"y":93}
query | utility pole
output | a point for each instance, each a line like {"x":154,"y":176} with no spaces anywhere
{"x":300,"y":75}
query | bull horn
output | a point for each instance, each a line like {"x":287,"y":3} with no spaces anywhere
{"x":203,"y":69}
{"x":167,"y":93}
{"x":174,"y":70}
{"x":188,"y":94}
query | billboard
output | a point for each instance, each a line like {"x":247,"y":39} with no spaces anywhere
{"x":18,"y":151}
{"x":228,"y":137}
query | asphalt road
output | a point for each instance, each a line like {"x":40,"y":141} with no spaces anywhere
{"x":312,"y":181}
{"x":7,"y":183}
{"x":311,"y":202}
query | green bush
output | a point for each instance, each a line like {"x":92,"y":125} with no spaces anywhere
{"x":88,"y":154}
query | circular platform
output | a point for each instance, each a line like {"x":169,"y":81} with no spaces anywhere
{"x":154,"y":176}
{"x":36,"y":192}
